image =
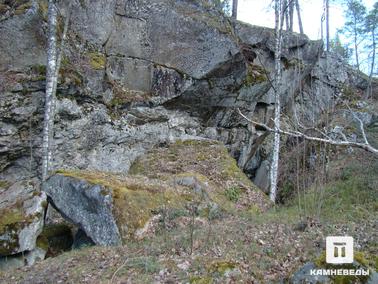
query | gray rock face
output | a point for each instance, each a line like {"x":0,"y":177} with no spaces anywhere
{"x":21,"y":217}
{"x":22,"y":259}
{"x":141,"y":73}
{"x":302,"y":276}
{"x":88,"y":206}
{"x":20,"y":52}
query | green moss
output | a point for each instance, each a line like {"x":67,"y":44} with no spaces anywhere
{"x":97,"y":60}
{"x":23,"y":8}
{"x":43,"y":8}
{"x":71,"y":74}
{"x":39,"y":69}
{"x":207,"y":158}
{"x":3,"y":8}
{"x":201,"y":280}
{"x":65,"y":62}
{"x":221,"y":267}
{"x":233,"y":193}
{"x":253,"y":210}
{"x":42,"y":242}
{"x":359,"y":258}
{"x":44,"y":204}
{"x":255,"y":75}
{"x":10,"y":221}
{"x":293,"y":63}
{"x":38,"y":78}
{"x":10,"y":217}
{"x":134,"y":198}
{"x":123,"y":96}
{"x":152,"y":182}
{"x":4,"y":184}
{"x":207,"y":161}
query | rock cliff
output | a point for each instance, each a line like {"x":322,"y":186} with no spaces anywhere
{"x":138,"y":74}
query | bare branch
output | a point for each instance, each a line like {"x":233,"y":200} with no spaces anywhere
{"x":361,"y":124}
{"x":308,"y":128}
{"x":293,"y":133}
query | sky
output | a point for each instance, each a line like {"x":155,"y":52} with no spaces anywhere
{"x":258,"y":12}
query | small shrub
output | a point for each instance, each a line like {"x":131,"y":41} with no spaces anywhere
{"x":233,"y":193}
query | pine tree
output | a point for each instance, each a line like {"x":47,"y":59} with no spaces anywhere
{"x":355,"y":25}
{"x":337,"y":47}
{"x":371,"y":24}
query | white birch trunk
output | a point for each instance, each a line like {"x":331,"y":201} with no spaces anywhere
{"x":59,"y":56}
{"x":291,"y":15}
{"x":299,"y":16}
{"x":327,"y":25}
{"x":234,"y":9}
{"x":369,"y":92}
{"x":277,"y":106}
{"x":50,"y":81}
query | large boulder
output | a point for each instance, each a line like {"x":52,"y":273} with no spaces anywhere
{"x":86,"y":205}
{"x":22,"y":209}
{"x":111,"y":207}
{"x":303,"y":275}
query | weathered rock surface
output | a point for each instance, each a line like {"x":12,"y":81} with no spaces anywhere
{"x":185,"y":175}
{"x":304,"y":276}
{"x":139,"y":73}
{"x":21,"y":217}
{"x":22,"y":259}
{"x":85,"y":205}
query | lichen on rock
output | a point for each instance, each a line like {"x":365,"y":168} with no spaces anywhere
{"x":186,"y":174}
{"x":21,"y":217}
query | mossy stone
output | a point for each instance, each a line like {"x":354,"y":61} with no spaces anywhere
{"x":359,"y":261}
{"x":23,"y":8}
{"x":97,"y":60}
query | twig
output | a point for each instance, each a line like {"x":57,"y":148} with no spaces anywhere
{"x":118,"y":269}
{"x":361,"y":124}
{"x":364,"y":146}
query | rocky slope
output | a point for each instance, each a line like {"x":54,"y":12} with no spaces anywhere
{"x":242,"y":247}
{"x":137,"y":75}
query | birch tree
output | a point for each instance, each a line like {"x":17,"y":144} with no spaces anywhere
{"x":277,"y":102}
{"x":327,"y":24}
{"x":297,"y":8}
{"x":50,"y":84}
{"x":54,"y":58}
{"x":291,"y":15}
{"x":285,"y":12}
{"x":234,"y":9}
{"x":288,"y":12}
